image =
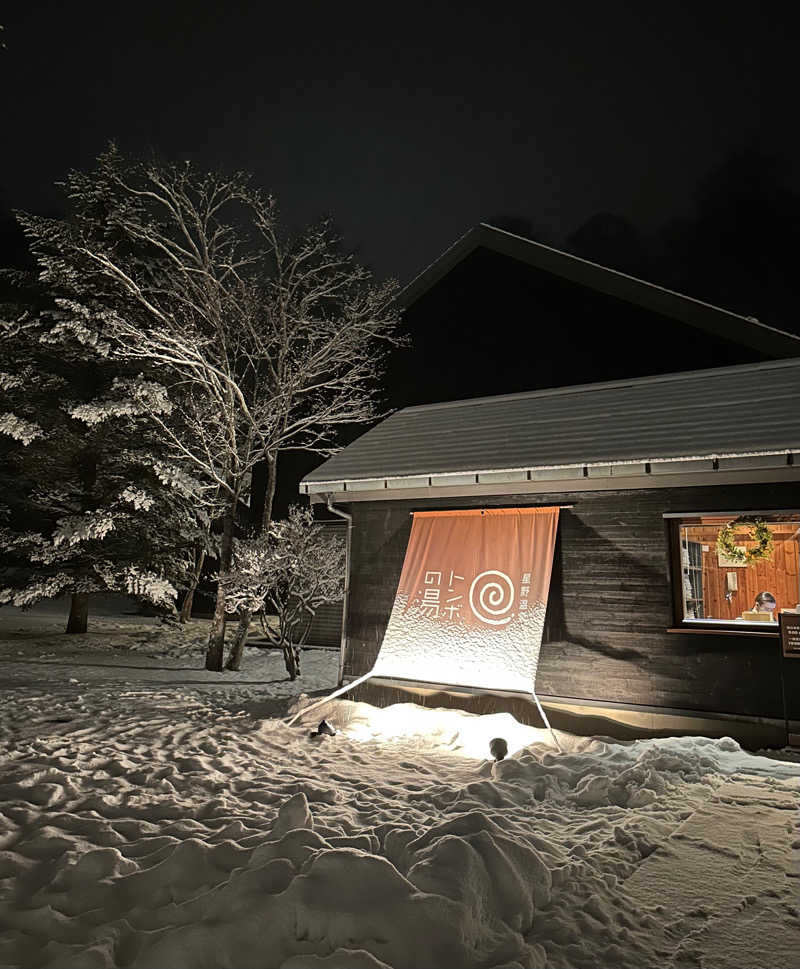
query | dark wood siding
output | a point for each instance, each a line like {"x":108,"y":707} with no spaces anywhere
{"x":326,"y":629}
{"x":610,"y":604}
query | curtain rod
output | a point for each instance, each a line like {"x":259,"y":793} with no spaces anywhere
{"x":491,"y":507}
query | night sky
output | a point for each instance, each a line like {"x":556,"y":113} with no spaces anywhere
{"x":407,"y":122}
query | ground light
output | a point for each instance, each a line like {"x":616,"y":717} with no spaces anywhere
{"x":498,"y":748}
{"x":323,"y":730}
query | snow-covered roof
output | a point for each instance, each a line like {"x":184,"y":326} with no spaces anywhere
{"x":638,"y":426}
{"x":744,"y":330}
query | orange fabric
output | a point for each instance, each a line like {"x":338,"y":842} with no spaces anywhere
{"x":488,"y":565}
{"x":472,"y":597}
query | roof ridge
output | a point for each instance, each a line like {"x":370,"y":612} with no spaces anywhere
{"x":753,"y":320}
{"x":610,"y":384}
{"x":614,"y":283}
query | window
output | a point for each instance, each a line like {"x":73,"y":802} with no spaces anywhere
{"x":734,"y":585}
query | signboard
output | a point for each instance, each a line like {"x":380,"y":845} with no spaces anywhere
{"x":471,"y":601}
{"x":790,"y":633}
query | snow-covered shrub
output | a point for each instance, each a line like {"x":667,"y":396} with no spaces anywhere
{"x":288,"y":572}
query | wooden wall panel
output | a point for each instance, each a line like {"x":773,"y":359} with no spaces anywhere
{"x":610,"y":603}
{"x":326,"y":629}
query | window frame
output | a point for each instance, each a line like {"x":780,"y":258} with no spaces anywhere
{"x":724,"y":627}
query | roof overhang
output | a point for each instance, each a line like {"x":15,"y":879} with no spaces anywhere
{"x":646,"y":473}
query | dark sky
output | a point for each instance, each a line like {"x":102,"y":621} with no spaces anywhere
{"x":407,"y":122}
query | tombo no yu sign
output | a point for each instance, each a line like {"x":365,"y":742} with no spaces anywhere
{"x":470,"y":604}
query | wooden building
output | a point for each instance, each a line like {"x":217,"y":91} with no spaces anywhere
{"x":646,"y":629}
{"x":497,"y":313}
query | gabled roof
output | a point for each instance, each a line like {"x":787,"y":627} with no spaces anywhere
{"x":728,"y":412}
{"x":739,"y":329}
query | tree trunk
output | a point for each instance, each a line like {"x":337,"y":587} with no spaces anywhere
{"x":245,"y":616}
{"x":186,"y":608}
{"x":269,"y":493}
{"x":235,"y":659}
{"x":291,"y":650}
{"x":216,"y":640}
{"x":78,"y":613}
{"x":291,"y":659}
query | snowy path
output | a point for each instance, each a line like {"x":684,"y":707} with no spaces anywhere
{"x":150,"y":820}
{"x":736,"y":902}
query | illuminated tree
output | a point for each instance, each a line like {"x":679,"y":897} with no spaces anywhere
{"x":90,"y":505}
{"x":259,"y":342}
{"x":287,"y":572}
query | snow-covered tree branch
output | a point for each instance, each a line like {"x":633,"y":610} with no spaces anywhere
{"x":287,"y":573}
{"x":249,"y":342}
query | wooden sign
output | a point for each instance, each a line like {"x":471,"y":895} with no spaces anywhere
{"x":790,"y":634}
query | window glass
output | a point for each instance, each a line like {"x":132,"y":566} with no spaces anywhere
{"x":747,"y":576}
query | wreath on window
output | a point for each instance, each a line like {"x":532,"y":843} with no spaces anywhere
{"x":760,"y":535}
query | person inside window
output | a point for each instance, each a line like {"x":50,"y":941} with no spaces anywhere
{"x":765,"y":602}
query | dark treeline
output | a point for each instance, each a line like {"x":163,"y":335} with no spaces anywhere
{"x":736,"y":249}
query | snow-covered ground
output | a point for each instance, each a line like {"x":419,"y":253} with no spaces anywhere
{"x":129,"y":650}
{"x":154,"y":814}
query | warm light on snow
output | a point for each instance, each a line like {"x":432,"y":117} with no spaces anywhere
{"x":454,"y":731}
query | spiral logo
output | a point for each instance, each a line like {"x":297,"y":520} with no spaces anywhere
{"x":491,"y":597}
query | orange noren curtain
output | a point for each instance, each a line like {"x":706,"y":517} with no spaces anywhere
{"x":471,"y":600}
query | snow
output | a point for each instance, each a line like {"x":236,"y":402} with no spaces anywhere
{"x":155,"y":814}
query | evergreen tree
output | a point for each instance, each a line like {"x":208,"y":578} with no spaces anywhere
{"x":90,"y":505}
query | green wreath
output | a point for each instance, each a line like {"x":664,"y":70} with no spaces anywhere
{"x":759,"y":533}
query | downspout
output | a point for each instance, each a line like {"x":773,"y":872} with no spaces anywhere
{"x":349,"y":519}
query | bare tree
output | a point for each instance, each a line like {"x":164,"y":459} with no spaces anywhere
{"x":262,"y":342}
{"x":287,"y":572}
{"x":328,"y":326}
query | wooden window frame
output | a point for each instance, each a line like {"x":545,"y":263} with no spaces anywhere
{"x":673,"y":521}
